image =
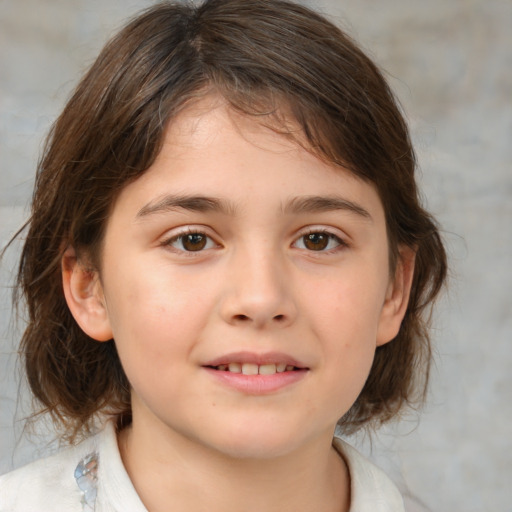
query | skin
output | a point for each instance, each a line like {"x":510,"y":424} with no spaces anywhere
{"x":257,"y":286}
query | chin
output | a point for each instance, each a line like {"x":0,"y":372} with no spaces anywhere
{"x":256,"y":441}
{"x":257,"y":449}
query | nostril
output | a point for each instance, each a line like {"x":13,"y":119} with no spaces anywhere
{"x":241,"y":318}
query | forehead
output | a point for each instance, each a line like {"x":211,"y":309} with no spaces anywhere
{"x":211,"y":150}
{"x":268,"y":127}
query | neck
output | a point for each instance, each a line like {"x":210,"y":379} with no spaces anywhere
{"x":188,"y":477}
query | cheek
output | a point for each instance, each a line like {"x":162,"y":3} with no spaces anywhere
{"x":153,"y":294}
{"x":345,"y":318}
{"x":153,"y":318}
{"x":350,"y":307}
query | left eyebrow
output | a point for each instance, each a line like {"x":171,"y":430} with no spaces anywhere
{"x":309,"y":204}
{"x":169,"y":203}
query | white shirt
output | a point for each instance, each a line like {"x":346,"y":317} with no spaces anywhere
{"x":53,"y":484}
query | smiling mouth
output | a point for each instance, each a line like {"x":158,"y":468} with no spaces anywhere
{"x":255,"y":369}
{"x":256,"y":374}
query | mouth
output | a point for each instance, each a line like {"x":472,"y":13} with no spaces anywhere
{"x":256,"y":374}
{"x":255,"y":369}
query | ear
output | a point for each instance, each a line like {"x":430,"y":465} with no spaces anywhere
{"x":397,"y":296}
{"x":84,"y":296}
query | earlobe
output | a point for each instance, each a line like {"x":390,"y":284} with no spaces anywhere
{"x":397,"y":297}
{"x":84,"y":296}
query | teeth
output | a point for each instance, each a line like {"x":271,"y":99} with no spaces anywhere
{"x":254,"y":369}
{"x":250,"y":369}
{"x":235,"y":367}
{"x":267,"y":369}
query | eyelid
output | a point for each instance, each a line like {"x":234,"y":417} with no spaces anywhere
{"x":334,"y":233}
{"x":177,"y":233}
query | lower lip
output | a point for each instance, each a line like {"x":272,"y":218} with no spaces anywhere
{"x":257,"y":384}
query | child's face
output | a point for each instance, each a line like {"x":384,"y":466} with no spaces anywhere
{"x":239,"y":247}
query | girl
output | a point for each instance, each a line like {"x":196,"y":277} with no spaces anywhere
{"x":226,"y":259}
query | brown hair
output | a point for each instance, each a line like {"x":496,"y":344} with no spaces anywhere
{"x":263,"y":57}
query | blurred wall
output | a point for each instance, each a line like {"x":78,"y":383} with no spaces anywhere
{"x":450,"y":63}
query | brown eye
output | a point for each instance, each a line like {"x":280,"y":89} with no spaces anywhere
{"x":316,"y":241}
{"x":190,"y":242}
{"x":319,"y":241}
{"x":194,"y":241}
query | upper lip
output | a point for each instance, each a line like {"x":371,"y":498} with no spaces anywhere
{"x":254,"y":358}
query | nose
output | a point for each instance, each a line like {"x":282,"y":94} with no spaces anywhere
{"x":258,"y":291}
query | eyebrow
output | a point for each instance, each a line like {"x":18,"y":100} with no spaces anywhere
{"x":169,"y":203}
{"x":307,"y":204}
{"x":311,"y":204}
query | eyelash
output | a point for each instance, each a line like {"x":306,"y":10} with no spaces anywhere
{"x":169,"y":242}
{"x":209,"y":243}
{"x":340,"y":243}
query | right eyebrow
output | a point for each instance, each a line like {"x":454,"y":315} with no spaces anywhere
{"x":169,"y":203}
{"x":324,"y":204}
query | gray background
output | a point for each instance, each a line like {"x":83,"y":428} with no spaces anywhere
{"x":450,"y":63}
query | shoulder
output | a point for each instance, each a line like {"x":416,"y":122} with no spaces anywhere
{"x":371,"y":489}
{"x":88,"y":476}
{"x":47,"y":484}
